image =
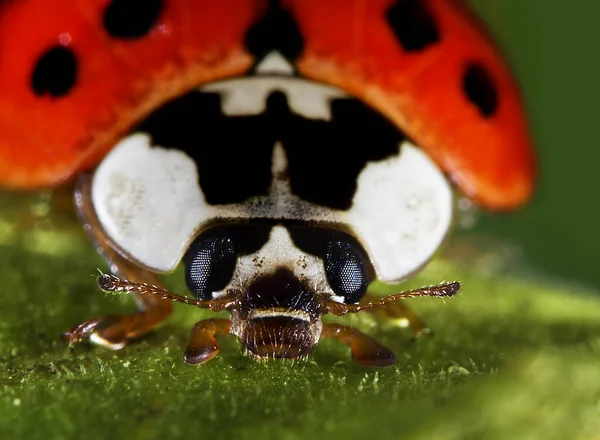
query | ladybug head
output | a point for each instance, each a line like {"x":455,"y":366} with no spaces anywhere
{"x":281,"y":272}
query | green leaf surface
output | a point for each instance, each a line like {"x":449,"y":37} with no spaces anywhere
{"x":509,"y":358}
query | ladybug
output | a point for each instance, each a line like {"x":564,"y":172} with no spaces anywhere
{"x":288,"y":153}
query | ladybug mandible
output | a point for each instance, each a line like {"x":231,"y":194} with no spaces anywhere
{"x":288,"y":152}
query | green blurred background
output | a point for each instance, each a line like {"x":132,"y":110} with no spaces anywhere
{"x":552,"y":47}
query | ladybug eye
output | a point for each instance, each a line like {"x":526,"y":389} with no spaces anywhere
{"x":131,"y":19}
{"x":347,"y":266}
{"x":55,"y":72}
{"x":480,"y":89}
{"x":346,"y":270}
{"x":210,"y":263}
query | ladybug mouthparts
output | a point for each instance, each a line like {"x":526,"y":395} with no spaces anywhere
{"x":279,"y":337}
{"x":278,"y":317}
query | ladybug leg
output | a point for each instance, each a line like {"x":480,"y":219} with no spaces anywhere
{"x":113,"y":331}
{"x":365,"y":350}
{"x":203,"y":346}
{"x":402,"y":314}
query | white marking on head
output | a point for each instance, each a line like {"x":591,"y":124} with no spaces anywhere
{"x":279,"y":251}
{"x":401,"y":211}
{"x":275,"y":63}
{"x":281,"y":182}
{"x":148,"y":201}
{"x":248,"y":95}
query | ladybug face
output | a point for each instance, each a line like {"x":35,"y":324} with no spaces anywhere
{"x":261,"y":201}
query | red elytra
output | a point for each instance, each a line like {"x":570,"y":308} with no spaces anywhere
{"x":45,"y":140}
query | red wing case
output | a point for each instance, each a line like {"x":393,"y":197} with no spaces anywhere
{"x":428,"y":66}
{"x":76,"y":75}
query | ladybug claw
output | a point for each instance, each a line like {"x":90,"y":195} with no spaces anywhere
{"x":87,"y":330}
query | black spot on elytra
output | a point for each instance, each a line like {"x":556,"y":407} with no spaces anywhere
{"x":55,"y":72}
{"x":414,"y":26}
{"x":480,"y":89}
{"x":131,"y":19}
{"x":233,"y":154}
{"x":276,"y":30}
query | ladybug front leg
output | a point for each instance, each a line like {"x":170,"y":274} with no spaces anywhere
{"x":203,"y":346}
{"x":113,"y":331}
{"x":401,"y":313}
{"x":365,"y":350}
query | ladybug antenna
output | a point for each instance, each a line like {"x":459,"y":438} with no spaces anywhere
{"x":441,"y":291}
{"x":115,"y":285}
